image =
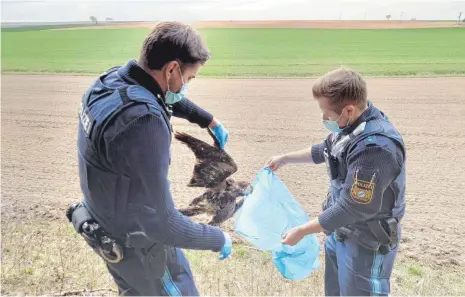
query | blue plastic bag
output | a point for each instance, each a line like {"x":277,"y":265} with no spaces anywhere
{"x":267,"y":213}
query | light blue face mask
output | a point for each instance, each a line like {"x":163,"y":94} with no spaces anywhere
{"x":171,"y":97}
{"x":333,"y":126}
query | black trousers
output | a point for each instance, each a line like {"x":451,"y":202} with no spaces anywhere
{"x":142,"y":274}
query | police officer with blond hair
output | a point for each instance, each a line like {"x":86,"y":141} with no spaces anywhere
{"x":365,"y":157}
{"x":128,"y":216}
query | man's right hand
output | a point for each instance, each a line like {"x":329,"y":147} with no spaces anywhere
{"x":276,"y":162}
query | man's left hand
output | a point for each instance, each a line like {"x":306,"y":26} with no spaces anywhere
{"x":226,"y":250}
{"x":293,"y":236}
{"x":220,"y":132}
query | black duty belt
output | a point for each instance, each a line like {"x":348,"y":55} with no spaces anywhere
{"x":384,"y":230}
{"x":109,"y":249}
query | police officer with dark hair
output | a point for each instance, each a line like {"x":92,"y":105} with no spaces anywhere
{"x":127,"y":215}
{"x":365,"y":157}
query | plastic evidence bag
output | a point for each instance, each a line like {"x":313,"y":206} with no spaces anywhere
{"x":267,"y":213}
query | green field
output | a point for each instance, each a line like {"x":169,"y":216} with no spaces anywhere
{"x":248,"y":52}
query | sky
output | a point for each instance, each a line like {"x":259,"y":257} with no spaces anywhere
{"x":204,"y":10}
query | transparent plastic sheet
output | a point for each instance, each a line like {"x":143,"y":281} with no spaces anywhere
{"x":267,"y":213}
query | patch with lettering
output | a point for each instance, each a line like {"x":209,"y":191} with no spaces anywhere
{"x":86,"y":119}
{"x":363,"y":187}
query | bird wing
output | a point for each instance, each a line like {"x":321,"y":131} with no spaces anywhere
{"x":213,"y":165}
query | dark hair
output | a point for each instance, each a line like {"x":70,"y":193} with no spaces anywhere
{"x":341,"y":85}
{"x":173,"y":41}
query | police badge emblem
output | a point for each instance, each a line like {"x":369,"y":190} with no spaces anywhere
{"x":361,"y":190}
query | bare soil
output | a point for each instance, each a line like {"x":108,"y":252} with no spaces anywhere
{"x":265,"y":118}
{"x":290,"y":24}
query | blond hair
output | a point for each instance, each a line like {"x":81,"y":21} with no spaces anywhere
{"x":341,"y":85}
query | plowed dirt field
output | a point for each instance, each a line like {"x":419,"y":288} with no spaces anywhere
{"x":264,"y":117}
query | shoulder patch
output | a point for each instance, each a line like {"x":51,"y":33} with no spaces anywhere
{"x":363,"y":185}
{"x":86,"y":119}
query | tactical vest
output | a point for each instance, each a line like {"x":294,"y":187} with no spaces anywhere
{"x":336,"y":148}
{"x":101,"y":186}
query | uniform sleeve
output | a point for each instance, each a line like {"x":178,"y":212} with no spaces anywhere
{"x":188,"y":110}
{"x":370,"y":172}
{"x":318,"y":156}
{"x":142,"y":151}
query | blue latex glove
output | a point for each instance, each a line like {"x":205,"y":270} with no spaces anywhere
{"x":227,"y":247}
{"x":221,"y":134}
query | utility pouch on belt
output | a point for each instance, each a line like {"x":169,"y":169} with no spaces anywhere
{"x":93,"y":233}
{"x":78,"y":215}
{"x":392,"y":226}
{"x":386,"y":234}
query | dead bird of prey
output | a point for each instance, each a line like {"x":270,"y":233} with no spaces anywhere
{"x":212,"y":171}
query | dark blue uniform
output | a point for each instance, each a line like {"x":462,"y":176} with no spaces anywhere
{"x":365,"y":203}
{"x":124,"y":153}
